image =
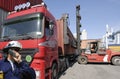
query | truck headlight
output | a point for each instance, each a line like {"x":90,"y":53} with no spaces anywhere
{"x":37,"y":74}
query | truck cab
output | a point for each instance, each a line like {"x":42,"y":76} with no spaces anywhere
{"x":97,"y":52}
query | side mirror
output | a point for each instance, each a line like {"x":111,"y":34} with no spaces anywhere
{"x":51,"y":26}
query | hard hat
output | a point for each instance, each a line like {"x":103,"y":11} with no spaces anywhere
{"x":13,"y":44}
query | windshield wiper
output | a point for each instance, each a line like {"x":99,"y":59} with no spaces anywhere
{"x":27,"y":36}
{"x":19,"y":36}
{"x":23,"y":36}
{"x":5,"y":38}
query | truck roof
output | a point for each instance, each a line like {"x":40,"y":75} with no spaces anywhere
{"x":31,"y":10}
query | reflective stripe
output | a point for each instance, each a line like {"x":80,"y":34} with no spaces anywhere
{"x":11,"y":64}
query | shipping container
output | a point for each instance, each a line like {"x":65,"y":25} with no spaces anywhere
{"x":8,"y":5}
{"x":35,"y":2}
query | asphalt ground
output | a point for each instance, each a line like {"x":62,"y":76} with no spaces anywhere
{"x":91,"y":71}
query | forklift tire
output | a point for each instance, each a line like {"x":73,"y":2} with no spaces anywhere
{"x":54,"y":71}
{"x":82,"y":60}
{"x":116,"y":60}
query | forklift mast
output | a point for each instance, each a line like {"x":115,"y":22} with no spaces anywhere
{"x":78,"y":26}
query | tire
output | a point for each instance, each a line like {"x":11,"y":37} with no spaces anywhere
{"x":67,"y":63}
{"x":116,"y":60}
{"x":54,"y":71}
{"x":82,"y":60}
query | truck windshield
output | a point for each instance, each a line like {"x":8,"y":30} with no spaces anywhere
{"x":23,"y":28}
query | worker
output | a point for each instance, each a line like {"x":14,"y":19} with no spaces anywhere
{"x":12,"y":66}
{"x":93,"y":47}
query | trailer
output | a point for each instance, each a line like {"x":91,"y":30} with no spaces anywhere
{"x":65,"y":37}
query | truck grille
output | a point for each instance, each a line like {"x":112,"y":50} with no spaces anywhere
{"x":25,"y":52}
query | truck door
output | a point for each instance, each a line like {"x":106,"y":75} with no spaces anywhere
{"x":51,"y":44}
{"x":48,"y":45}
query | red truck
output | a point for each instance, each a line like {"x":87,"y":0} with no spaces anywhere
{"x":48,"y":44}
{"x":97,"y":52}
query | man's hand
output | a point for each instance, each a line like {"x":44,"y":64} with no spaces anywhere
{"x":18,"y":57}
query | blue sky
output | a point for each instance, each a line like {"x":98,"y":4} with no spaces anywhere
{"x":95,"y":14}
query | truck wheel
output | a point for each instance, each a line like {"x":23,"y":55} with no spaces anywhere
{"x":67,"y":63}
{"x":54,"y":71}
{"x":82,"y":60}
{"x":116,"y":60}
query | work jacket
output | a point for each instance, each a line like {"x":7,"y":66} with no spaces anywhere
{"x":21,"y":70}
